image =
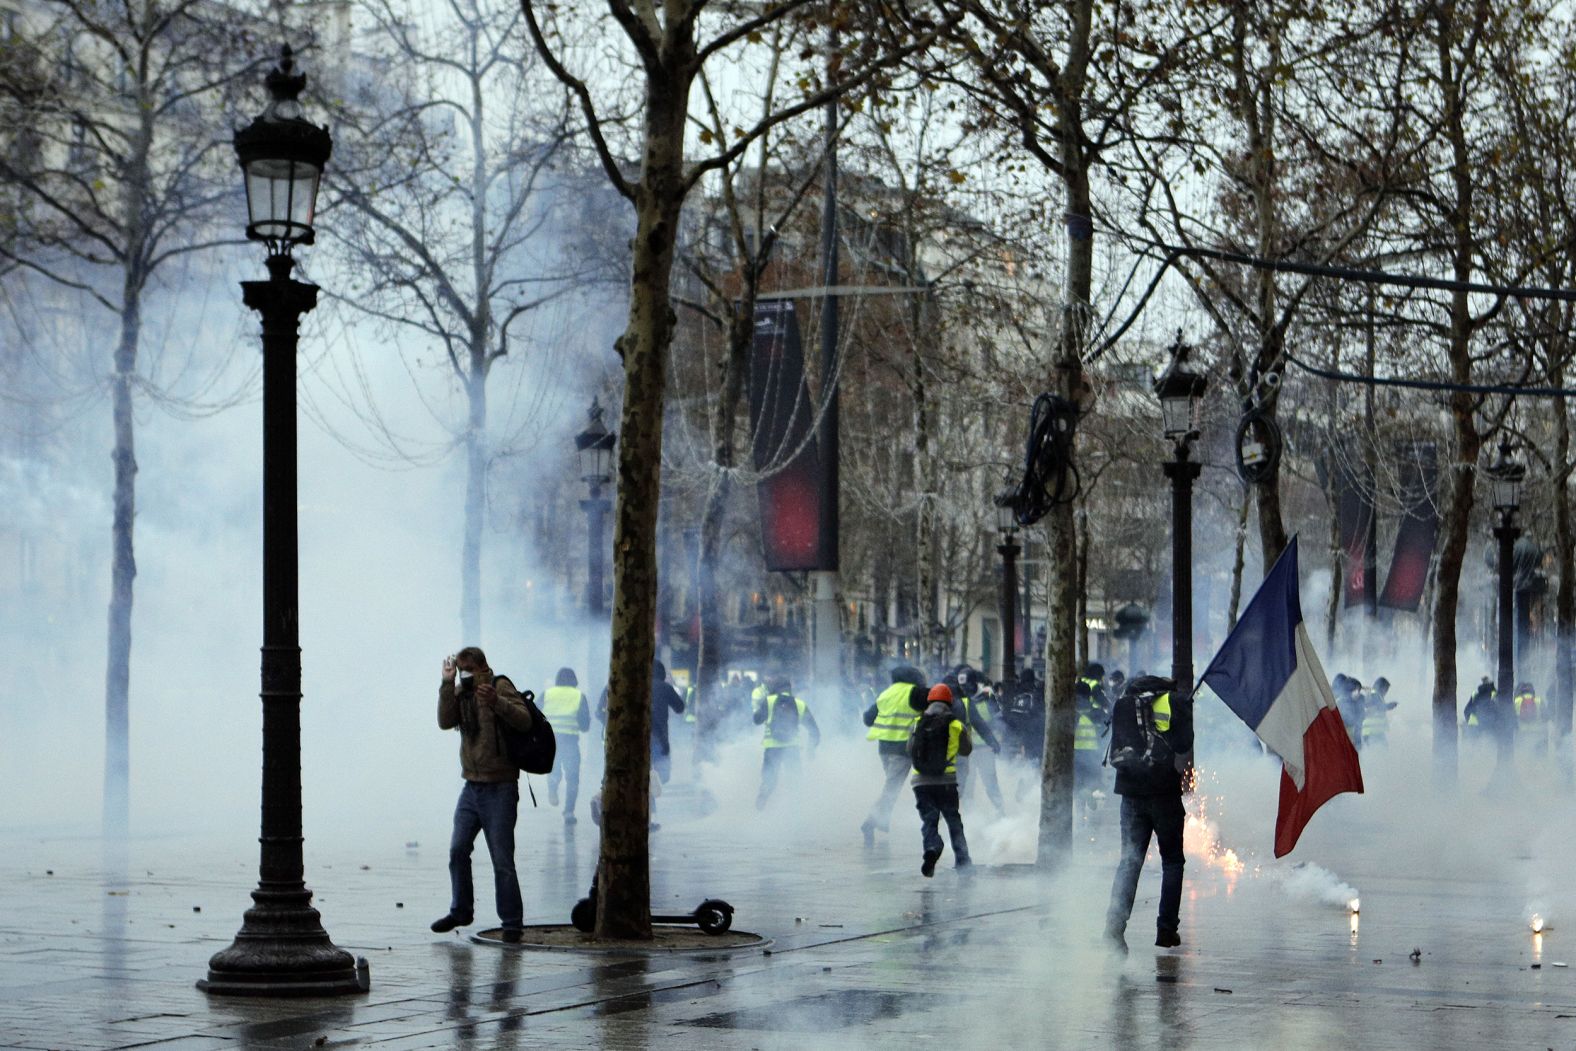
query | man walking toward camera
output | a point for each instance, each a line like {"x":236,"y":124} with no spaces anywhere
{"x":490,"y":800}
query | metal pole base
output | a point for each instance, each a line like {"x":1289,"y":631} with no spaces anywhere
{"x":283,"y":950}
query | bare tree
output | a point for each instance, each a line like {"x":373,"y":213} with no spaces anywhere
{"x":124,"y":107}
{"x":453,"y":163}
{"x":669,"y":45}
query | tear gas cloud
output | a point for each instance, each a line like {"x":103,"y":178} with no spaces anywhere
{"x":379,"y":584}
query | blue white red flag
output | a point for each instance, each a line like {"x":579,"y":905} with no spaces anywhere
{"x":1267,"y":672}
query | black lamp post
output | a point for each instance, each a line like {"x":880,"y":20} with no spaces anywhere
{"x":1008,"y":549}
{"x":594,"y":448}
{"x":1180,"y":390}
{"x":282,"y":949}
{"x":1505,"y":477}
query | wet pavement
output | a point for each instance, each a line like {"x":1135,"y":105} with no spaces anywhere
{"x":864,"y":953}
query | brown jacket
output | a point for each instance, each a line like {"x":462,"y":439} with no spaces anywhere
{"x":482,"y":756}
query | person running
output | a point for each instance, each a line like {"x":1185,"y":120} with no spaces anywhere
{"x":939,"y":739}
{"x":891,"y":719}
{"x":569,"y":713}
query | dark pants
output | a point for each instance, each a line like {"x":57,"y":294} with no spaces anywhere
{"x":566,"y":768}
{"x":934,"y":803}
{"x":1143,"y":816}
{"x":773,"y":762}
{"x":491,"y":810}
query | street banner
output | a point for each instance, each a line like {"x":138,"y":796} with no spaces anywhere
{"x":1355,"y":515}
{"x":1418,"y":531}
{"x":1269,"y":675}
{"x":782,"y":417}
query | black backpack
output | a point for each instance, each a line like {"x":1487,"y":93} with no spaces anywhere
{"x":931,"y":738}
{"x":1137,"y":746}
{"x":531,"y":750}
{"x":785,"y":717}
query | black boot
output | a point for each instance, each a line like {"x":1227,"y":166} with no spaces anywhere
{"x":447,"y":923}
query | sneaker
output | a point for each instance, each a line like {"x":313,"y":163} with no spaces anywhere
{"x":570,"y":819}
{"x":1168,"y":939}
{"x":964,"y":865}
{"x":445,"y":924}
{"x":927,"y":868}
{"x":512,"y":935}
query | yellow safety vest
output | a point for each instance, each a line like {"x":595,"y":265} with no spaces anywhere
{"x":968,"y":709}
{"x":775,"y":742}
{"x":689,"y":705}
{"x":1376,"y":718}
{"x":1537,"y":707}
{"x":894,"y":718}
{"x":1087,"y":734}
{"x":561,"y":705}
{"x":1162,"y":708}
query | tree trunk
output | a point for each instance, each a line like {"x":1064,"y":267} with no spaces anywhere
{"x":123,"y":571}
{"x":1056,"y":772}
{"x":1565,"y":596}
{"x":1456,"y":512}
{"x":623,"y":871}
{"x":1082,"y":632}
{"x":1237,"y":560}
{"x":709,"y":660}
{"x":475,"y":508}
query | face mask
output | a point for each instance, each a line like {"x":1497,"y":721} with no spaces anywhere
{"x":466,"y":678}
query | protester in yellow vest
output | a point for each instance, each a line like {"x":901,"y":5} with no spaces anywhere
{"x":569,"y":714}
{"x":787,"y":719}
{"x":891,"y":718}
{"x":1376,"y":714}
{"x":1532,"y":718}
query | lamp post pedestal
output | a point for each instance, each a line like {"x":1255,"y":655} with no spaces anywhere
{"x":282,"y":948}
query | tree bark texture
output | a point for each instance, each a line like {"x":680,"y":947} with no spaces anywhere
{"x":1565,"y":594}
{"x":1056,"y":772}
{"x":624,"y":874}
{"x":123,"y":561}
{"x":123,"y":571}
{"x":475,"y":508}
{"x":1467,"y":442}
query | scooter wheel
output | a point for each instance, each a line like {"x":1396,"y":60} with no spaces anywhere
{"x":583,"y":916}
{"x":714,"y":917}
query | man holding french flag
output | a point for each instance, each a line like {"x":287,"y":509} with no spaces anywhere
{"x":1268,"y":673}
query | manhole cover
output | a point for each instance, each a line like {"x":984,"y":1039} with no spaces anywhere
{"x":687,"y":941}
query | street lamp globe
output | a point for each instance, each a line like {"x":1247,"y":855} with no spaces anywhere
{"x":282,"y":155}
{"x":594,"y":448}
{"x":1180,"y":389}
{"x":1006,"y":514}
{"x":1505,"y":476}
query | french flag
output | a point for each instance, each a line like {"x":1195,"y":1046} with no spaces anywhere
{"x":1269,"y":675}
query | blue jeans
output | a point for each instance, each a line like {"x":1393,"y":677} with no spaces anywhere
{"x":566,"y":768}
{"x":934,"y":803}
{"x":1163,"y":818}
{"x":491,"y":810}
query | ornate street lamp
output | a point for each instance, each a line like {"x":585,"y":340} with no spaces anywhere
{"x":1008,"y":549}
{"x":282,"y":948}
{"x":1180,"y":390}
{"x":1505,"y":477}
{"x":594,"y":450}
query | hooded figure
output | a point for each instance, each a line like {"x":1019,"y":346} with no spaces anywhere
{"x":664,"y":699}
